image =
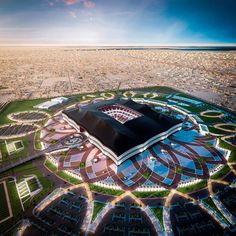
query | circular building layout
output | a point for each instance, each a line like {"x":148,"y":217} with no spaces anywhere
{"x":133,"y":145}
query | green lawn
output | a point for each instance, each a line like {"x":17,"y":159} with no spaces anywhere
{"x":14,"y":198}
{"x":225,"y":145}
{"x":33,"y":184}
{"x":151,"y":194}
{"x":82,"y":165}
{"x":217,"y":131}
{"x":68,"y":178}
{"x":162,"y":99}
{"x":15,"y":204}
{"x":62,"y":174}
{"x":19,"y":145}
{"x":158,"y":212}
{"x":146,"y":174}
{"x":193,"y":187}
{"x":37,"y":141}
{"x":196,"y":109}
{"x":6,"y":158}
{"x":179,"y":170}
{"x":99,"y":189}
{"x":19,"y":106}
{"x":98,"y":206}
{"x":212,"y":205}
{"x":50,"y":166}
{"x":4,"y":212}
{"x":229,"y":126}
{"x":30,"y":169}
{"x":211,"y":120}
{"x":221,"y":173}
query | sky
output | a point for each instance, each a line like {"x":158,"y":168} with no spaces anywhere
{"x":118,"y":22}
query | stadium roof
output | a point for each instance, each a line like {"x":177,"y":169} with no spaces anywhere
{"x":117,"y":136}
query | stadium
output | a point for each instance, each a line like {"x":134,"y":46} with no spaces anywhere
{"x":121,"y":128}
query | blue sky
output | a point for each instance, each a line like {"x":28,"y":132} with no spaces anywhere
{"x":156,"y":22}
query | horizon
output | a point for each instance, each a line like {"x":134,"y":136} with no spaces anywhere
{"x":121,"y":45}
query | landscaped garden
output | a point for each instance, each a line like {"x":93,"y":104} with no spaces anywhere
{"x":18,"y":106}
{"x":4,"y":212}
{"x":193,"y":187}
{"x":151,"y":194}
{"x":22,"y":153}
{"x":209,"y":202}
{"x":61,"y":174}
{"x":37,"y":141}
{"x":33,"y":184}
{"x":97,"y":207}
{"x":108,"y":191}
{"x":158,"y":212}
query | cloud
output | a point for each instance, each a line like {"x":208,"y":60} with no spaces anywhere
{"x":88,"y":4}
{"x":72,"y":14}
{"x":71,"y":2}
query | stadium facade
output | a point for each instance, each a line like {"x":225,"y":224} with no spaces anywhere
{"x":121,"y":128}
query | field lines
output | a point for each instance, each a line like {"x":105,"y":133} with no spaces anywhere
{"x":27,"y":188}
{"x":5,"y":206}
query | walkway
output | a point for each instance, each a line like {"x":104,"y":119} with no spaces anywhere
{"x":154,"y":221}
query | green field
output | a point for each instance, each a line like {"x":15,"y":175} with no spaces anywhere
{"x":14,"y":198}
{"x":225,"y":145}
{"x":158,"y":212}
{"x":217,"y":131}
{"x":211,"y":120}
{"x":209,"y":202}
{"x":62,"y":174}
{"x":108,"y":191}
{"x":30,"y":169}
{"x":98,"y":206}
{"x":33,"y":184}
{"x":15,"y":204}
{"x":50,"y":166}
{"x":19,"y":145}
{"x":4,"y":212}
{"x":18,"y":106}
{"x":151,"y":194}
{"x":6,"y":158}
{"x":37,"y":141}
{"x":221,"y":173}
{"x":194,"y":187}
{"x":68,"y":178}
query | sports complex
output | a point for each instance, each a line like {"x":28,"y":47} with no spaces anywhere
{"x":151,"y":161}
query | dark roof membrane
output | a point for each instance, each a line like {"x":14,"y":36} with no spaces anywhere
{"x":116,"y":136}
